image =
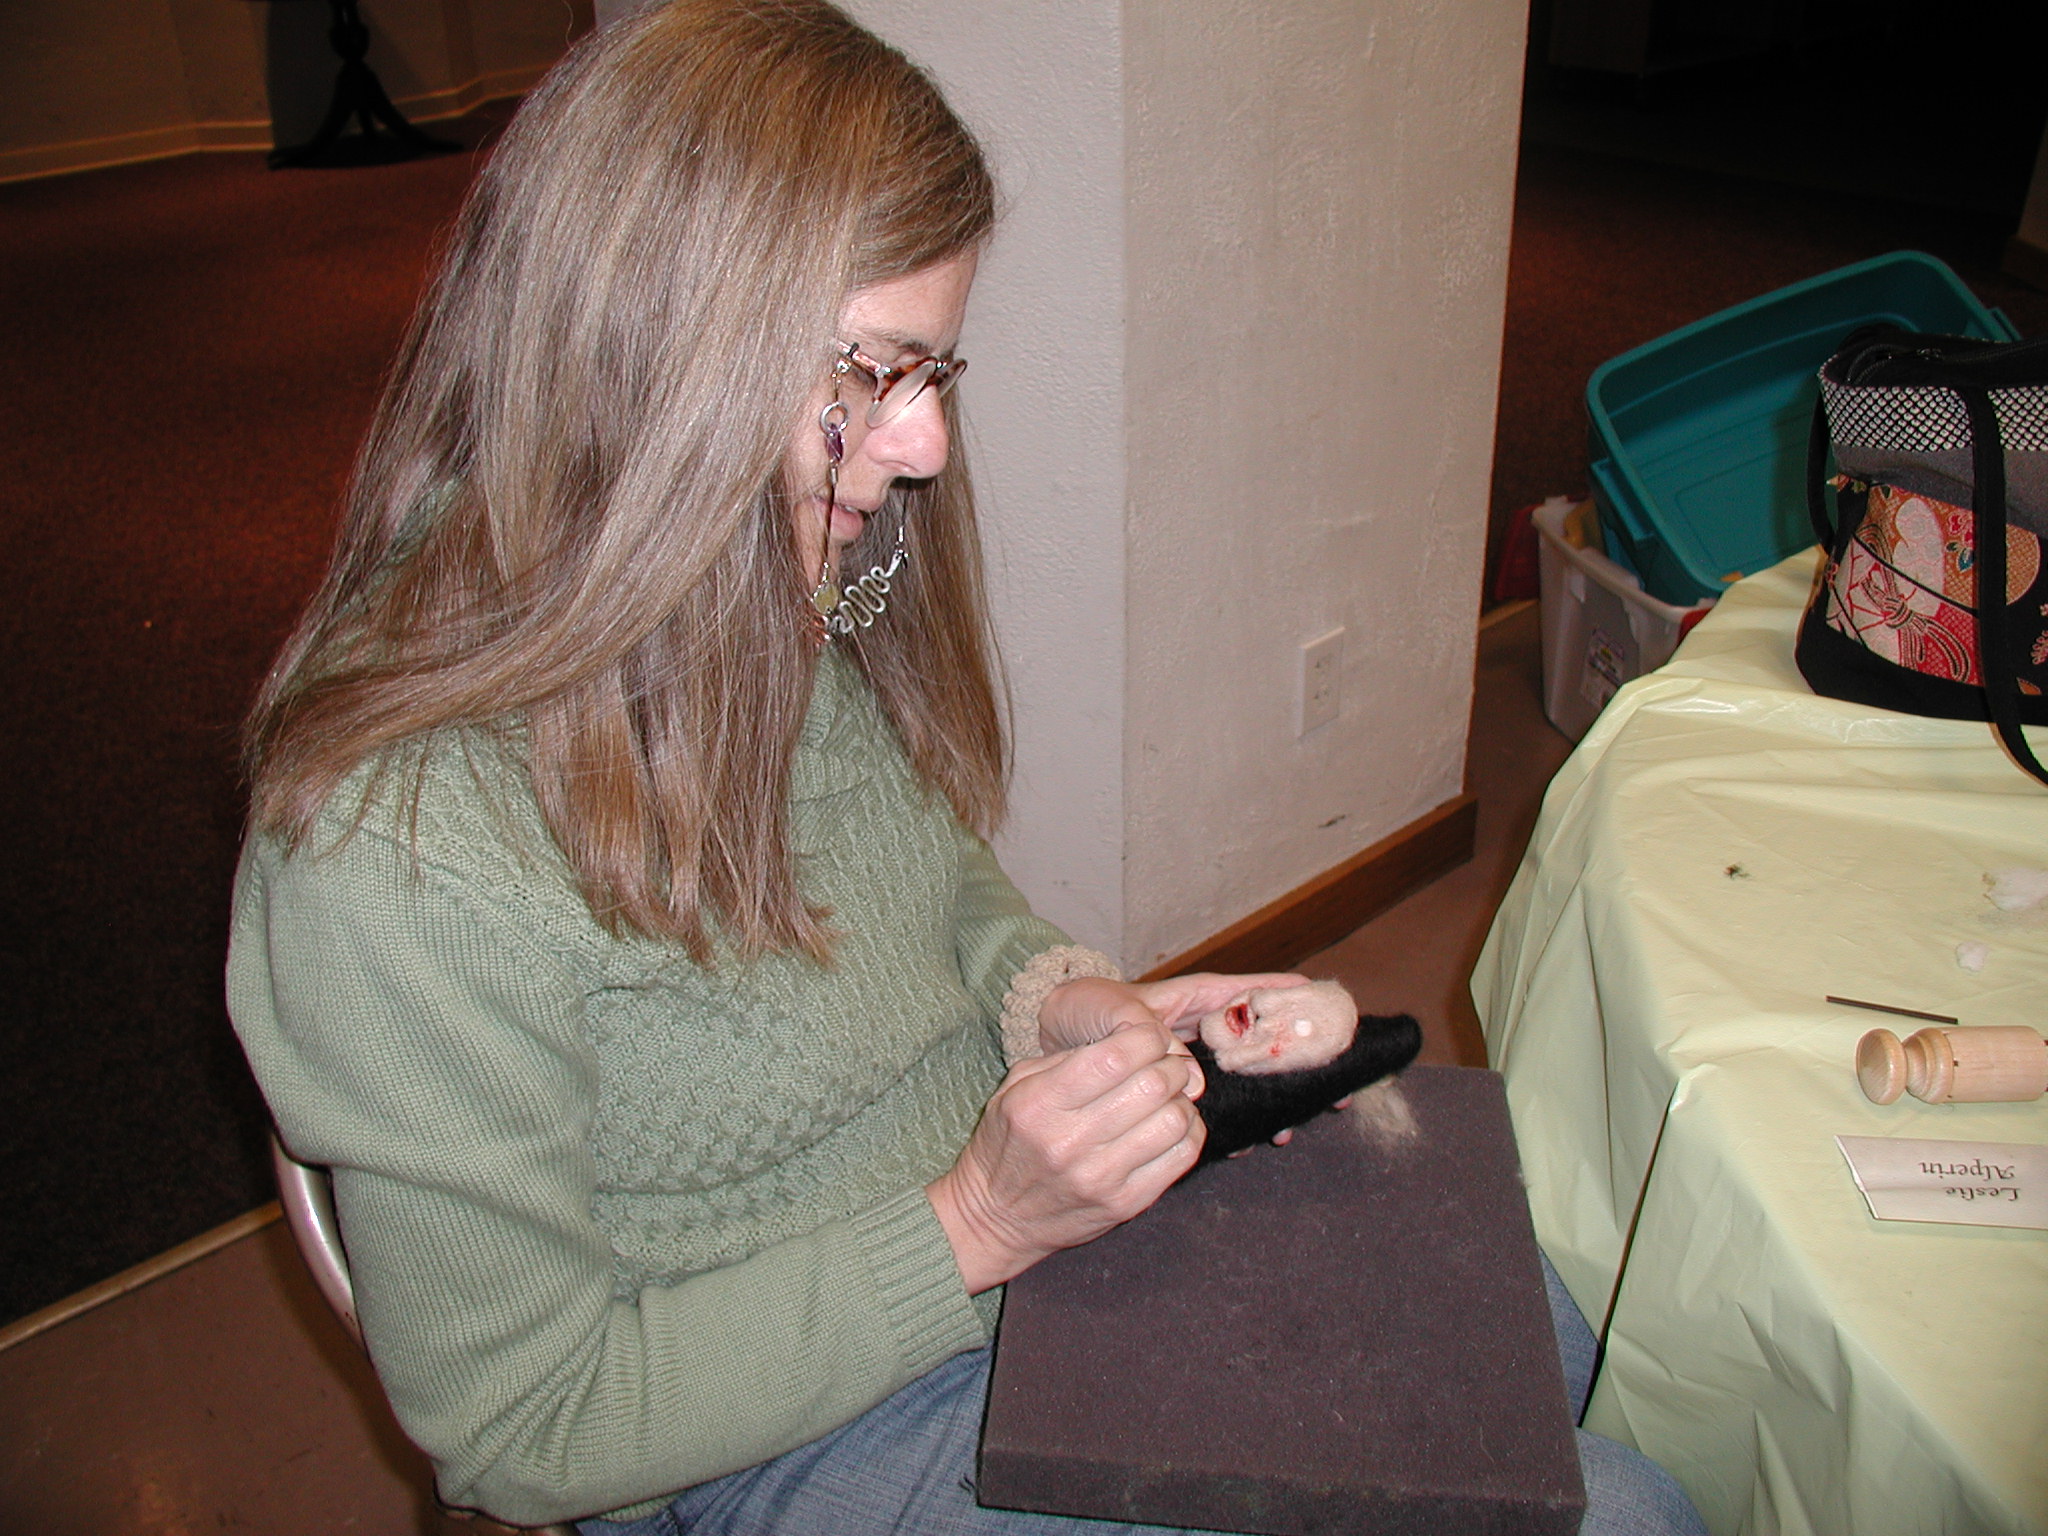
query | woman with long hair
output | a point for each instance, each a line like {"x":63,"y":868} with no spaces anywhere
{"x":616,"y":919}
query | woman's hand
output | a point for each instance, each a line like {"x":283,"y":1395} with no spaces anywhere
{"x":1180,"y":1001}
{"x":1071,"y":1145}
{"x":1090,"y":1007}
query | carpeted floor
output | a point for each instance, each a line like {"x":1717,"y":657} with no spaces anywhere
{"x":194,"y":348}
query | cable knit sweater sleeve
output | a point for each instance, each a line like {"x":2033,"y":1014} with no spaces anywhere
{"x":998,"y":935}
{"x":437,"y":1057}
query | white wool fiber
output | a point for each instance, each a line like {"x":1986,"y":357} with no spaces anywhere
{"x":2016,"y":889}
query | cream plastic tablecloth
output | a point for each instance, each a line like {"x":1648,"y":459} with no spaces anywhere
{"x":1722,"y":852}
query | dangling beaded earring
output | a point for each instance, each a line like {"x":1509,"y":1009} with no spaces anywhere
{"x":825,"y":596}
{"x":866,"y":600}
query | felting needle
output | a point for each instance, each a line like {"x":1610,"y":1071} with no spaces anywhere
{"x":1904,"y":1013}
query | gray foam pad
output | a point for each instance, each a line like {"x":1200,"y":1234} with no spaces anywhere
{"x":1342,"y":1335}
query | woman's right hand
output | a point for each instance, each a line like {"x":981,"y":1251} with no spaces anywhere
{"x":1071,"y":1145}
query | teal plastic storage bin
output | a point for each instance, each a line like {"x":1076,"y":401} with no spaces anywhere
{"x":1698,"y":438}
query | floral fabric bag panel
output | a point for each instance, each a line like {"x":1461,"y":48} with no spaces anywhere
{"x":1906,"y":586}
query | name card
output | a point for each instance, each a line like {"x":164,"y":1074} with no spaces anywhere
{"x":1973,"y":1183}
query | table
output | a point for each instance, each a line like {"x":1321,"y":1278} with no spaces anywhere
{"x":1722,"y":852}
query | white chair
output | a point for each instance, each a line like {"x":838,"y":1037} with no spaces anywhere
{"x":307,"y":1193}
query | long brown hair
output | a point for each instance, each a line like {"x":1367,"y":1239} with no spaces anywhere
{"x":569,"y":512}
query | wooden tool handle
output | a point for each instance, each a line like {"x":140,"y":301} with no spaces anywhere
{"x":1986,"y":1064}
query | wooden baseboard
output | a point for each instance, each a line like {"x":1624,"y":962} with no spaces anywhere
{"x":40,"y":160}
{"x":23,"y":1329}
{"x":1316,"y":915}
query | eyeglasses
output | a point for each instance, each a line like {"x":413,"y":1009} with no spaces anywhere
{"x":897,"y":389}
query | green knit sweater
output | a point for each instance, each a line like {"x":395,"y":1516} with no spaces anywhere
{"x":618,"y":1223}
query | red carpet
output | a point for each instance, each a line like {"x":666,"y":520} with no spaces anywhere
{"x":193,"y":349}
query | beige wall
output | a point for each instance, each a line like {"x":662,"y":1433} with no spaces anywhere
{"x":96,"y":82}
{"x":1317,"y":232}
{"x":1042,"y":83}
{"x":1235,"y":351}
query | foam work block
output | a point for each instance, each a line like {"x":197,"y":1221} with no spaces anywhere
{"x":1345,"y":1335}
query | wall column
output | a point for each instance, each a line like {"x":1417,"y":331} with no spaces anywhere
{"x":1236,"y":352}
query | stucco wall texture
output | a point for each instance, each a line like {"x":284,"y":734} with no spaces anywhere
{"x":1235,"y":353}
{"x":1041,"y":82}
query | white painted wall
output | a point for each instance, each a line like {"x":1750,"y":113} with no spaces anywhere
{"x":1236,"y":354}
{"x":1040,"y":81}
{"x":1235,"y":358}
{"x":1321,"y":193}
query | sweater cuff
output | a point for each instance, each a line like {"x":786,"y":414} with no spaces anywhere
{"x":918,"y":1280}
{"x":1030,"y":987}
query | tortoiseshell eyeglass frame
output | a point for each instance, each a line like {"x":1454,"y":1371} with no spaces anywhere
{"x":897,"y":389}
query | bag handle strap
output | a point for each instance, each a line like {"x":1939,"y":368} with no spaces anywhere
{"x":1987,"y":503}
{"x":1817,"y":476}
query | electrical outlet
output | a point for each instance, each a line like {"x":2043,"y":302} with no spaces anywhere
{"x":1321,"y":661}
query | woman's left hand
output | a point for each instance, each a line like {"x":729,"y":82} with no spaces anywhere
{"x":1088,"y":1009}
{"x":1181,"y":1001}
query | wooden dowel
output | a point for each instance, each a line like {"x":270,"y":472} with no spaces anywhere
{"x":1984,"y":1064}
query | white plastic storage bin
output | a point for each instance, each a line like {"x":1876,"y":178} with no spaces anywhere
{"x":1600,"y":628}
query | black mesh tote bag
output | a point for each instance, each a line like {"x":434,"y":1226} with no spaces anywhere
{"x":1941,"y":452}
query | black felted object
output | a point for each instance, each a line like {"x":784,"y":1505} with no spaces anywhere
{"x":1242,"y":1109}
{"x":1336,"y":1337}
